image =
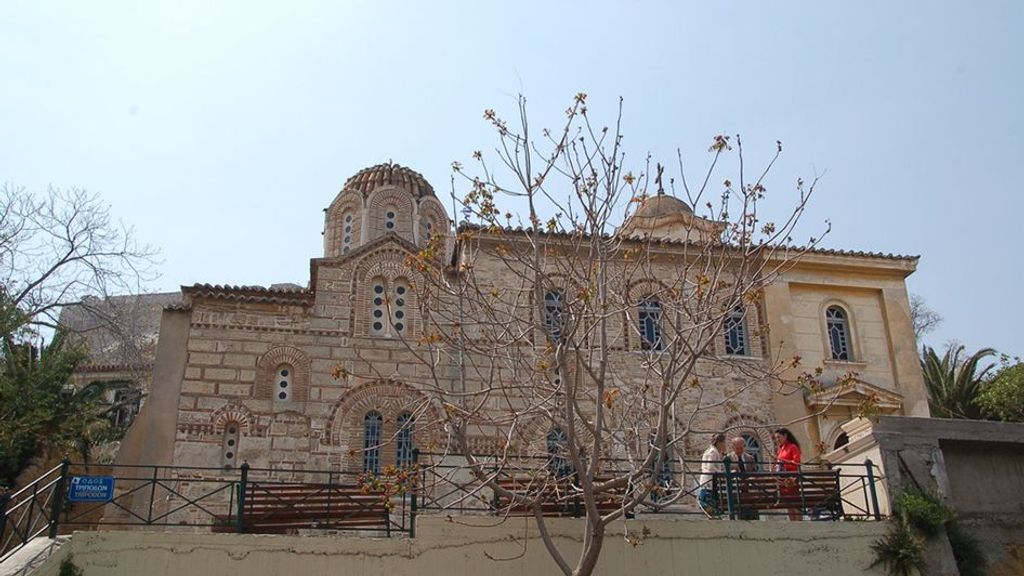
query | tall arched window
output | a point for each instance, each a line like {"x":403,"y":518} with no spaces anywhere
{"x":378,"y":308}
{"x":403,"y":447}
{"x":426,"y":230}
{"x":753,"y":446}
{"x":283,"y":382}
{"x":399,"y":321}
{"x":649,"y":316}
{"x":558,"y":445}
{"x":229,"y":445}
{"x":346,"y":238}
{"x":736,"y":333}
{"x":372,"y":424}
{"x":554,"y":314}
{"x":663,"y":472}
{"x":838,"y":326}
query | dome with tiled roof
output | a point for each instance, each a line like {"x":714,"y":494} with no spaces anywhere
{"x":662,"y":206}
{"x":390,"y":174}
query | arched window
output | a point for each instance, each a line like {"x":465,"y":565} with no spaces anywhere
{"x":399,"y":321}
{"x":736,"y":333}
{"x":426,"y":230}
{"x":390,"y":219}
{"x":663,"y":472}
{"x":842,"y":440}
{"x":403,"y":449}
{"x":372,"y":424}
{"x":649,"y":316}
{"x":558,"y":445}
{"x":346,"y":238}
{"x":753,"y":446}
{"x":229,"y":445}
{"x":838,"y":333}
{"x":378,"y":310}
{"x":283,"y":382}
{"x":554,"y":314}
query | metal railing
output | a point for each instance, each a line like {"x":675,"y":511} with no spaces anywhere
{"x":190,"y":497}
{"x":448,"y":484}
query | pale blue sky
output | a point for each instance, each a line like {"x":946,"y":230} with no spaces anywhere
{"x":222,"y":129}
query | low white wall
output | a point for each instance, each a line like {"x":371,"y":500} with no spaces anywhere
{"x":472,"y":546}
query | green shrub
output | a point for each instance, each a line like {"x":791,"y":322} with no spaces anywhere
{"x":970,"y":559}
{"x":900,"y":551}
{"x":924,"y":511}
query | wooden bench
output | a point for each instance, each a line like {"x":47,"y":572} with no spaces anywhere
{"x":272,"y":508}
{"x":559,"y":498}
{"x":811,"y":492}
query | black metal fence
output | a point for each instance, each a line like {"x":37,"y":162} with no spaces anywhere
{"x":239,"y":500}
{"x":448,"y":484}
{"x":265,"y":500}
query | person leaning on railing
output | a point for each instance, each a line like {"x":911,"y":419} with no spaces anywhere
{"x":710,"y":463}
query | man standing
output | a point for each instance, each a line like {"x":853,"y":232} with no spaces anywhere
{"x":740,"y":464}
{"x":710,"y":463}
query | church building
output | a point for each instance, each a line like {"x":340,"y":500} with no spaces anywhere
{"x":323,"y":377}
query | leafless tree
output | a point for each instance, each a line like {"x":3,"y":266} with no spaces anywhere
{"x":59,"y":247}
{"x":558,"y":337}
{"x":924,"y":318}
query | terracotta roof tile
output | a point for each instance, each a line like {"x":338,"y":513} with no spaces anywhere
{"x":367,"y":179}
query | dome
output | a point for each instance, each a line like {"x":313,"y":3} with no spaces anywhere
{"x":662,"y":206}
{"x":390,"y":174}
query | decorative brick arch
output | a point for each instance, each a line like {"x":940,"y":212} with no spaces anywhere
{"x":233,"y":412}
{"x":390,"y":197}
{"x":390,"y":398}
{"x":433,"y":212}
{"x":388,"y":263}
{"x":266,"y":370}
{"x":334,"y":222}
{"x":750,"y":424}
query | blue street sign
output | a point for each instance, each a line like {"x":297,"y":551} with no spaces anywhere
{"x":91,"y":489}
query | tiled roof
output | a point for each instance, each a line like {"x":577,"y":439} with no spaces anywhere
{"x":822,"y":251}
{"x":367,"y":179}
{"x":250,"y":293}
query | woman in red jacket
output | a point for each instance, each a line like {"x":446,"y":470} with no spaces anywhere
{"x":788,"y":460}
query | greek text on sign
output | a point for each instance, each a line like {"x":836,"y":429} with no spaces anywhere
{"x":91,"y":489}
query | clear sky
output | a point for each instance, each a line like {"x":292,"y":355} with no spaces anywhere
{"x":220,"y":130}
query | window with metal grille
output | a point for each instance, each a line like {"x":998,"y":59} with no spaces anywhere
{"x":283,"y":387}
{"x":372,"y":424}
{"x":403,"y":449}
{"x":558,"y":446}
{"x":229,"y":445}
{"x":378,"y":308}
{"x":838,"y":333}
{"x":649,"y":316}
{"x":346,"y":239}
{"x":399,"y":321}
{"x":753,"y":447}
{"x":736,"y":333}
{"x":554,"y":314}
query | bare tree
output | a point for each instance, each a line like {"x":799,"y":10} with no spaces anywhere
{"x":924,"y":318}
{"x":59,"y":247}
{"x":558,"y":337}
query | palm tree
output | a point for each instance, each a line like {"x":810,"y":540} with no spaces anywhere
{"x":954,"y":382}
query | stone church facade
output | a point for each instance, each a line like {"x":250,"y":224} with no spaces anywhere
{"x":301,"y":378}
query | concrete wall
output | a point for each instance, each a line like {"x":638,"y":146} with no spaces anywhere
{"x":977,"y":467}
{"x":456,"y":549}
